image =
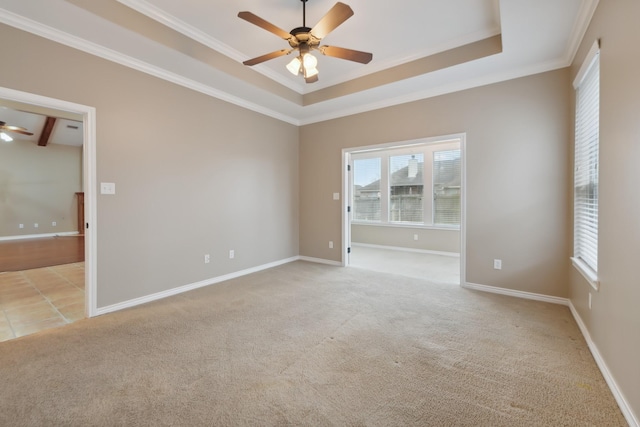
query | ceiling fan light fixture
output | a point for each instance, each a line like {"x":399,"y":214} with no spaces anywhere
{"x":305,"y":63}
{"x":5,"y":137}
{"x":309,"y":61}
{"x":310,"y":72}
{"x":294,"y":66}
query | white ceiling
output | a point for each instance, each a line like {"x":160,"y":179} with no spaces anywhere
{"x":201,"y":45}
{"x":394,"y":34}
{"x":65,"y":131}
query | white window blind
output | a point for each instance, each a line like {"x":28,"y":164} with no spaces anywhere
{"x":446,"y":187}
{"x":586,"y":163}
{"x":406,"y":188}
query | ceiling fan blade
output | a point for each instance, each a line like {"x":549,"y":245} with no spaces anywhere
{"x":339,"y":13}
{"x":15,"y":129}
{"x":267,"y":57}
{"x":256,"y":20}
{"x":311,"y":79}
{"x":348,"y":54}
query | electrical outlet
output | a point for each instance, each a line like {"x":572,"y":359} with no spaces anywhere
{"x":589,"y":300}
{"x":207,"y":258}
{"x":35,"y":225}
{"x":20,"y":225}
{"x":415,"y":237}
{"x":232,"y":254}
{"x":497,"y":264}
{"x":53,"y":223}
{"x":330,"y":244}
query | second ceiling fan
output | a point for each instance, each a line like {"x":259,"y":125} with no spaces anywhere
{"x":304,"y":40}
{"x":16,"y":129}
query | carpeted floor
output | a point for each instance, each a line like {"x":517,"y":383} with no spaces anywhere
{"x":307,"y":344}
{"x":439,"y":268}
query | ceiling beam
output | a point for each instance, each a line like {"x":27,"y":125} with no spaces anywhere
{"x":46,"y":131}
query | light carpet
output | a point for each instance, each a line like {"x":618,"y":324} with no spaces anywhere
{"x":308,"y":344}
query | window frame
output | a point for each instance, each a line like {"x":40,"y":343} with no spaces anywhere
{"x":585,"y":267}
{"x":385,"y":154}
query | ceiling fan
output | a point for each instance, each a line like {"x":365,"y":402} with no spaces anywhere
{"x":16,"y":129}
{"x":304,"y":40}
{"x":9,"y":128}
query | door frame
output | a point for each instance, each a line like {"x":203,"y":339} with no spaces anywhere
{"x":89,"y":180}
{"x":347,"y":192}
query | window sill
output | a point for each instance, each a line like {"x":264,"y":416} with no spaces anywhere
{"x":405,"y":225}
{"x":587,"y":272}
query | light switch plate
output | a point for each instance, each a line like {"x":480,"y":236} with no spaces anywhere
{"x":107,"y":188}
{"x":336,"y":196}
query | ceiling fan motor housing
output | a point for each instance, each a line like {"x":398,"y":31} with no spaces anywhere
{"x":303,"y":35}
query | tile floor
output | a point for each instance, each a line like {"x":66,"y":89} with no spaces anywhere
{"x":43,"y":298}
{"x":39,"y":299}
{"x":438,"y":268}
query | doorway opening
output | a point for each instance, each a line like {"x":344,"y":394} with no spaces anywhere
{"x":53,"y":242}
{"x":404,"y":208}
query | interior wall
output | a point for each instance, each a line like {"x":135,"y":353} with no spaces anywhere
{"x":614,"y":319}
{"x":194,"y":175}
{"x":38,"y":186}
{"x":517,"y":177}
{"x":429,"y":239}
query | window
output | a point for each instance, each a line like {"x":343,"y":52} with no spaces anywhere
{"x":415,"y":185}
{"x":406,"y":188}
{"x":367,"y":174}
{"x":585,"y":207}
{"x":446,"y":187}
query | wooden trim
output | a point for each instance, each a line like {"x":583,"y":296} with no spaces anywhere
{"x":47,"y":129}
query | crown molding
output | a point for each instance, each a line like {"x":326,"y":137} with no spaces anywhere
{"x":438,"y":91}
{"x":164,"y":18}
{"x":171,"y":21}
{"x":580,"y":26}
{"x":400,"y":60}
{"x":39,"y":29}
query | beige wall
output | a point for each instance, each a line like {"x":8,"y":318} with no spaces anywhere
{"x":196,"y":175}
{"x":193,"y":174}
{"x":38,"y":185}
{"x":517,"y":175}
{"x":614,"y":320}
{"x":429,"y":239}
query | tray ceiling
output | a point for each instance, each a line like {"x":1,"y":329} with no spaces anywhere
{"x":423,"y":48}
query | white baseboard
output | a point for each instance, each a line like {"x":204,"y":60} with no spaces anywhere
{"x":611,"y":382}
{"x":38,"y":236}
{"x":181,"y":289}
{"x":401,"y":249}
{"x":613,"y":386}
{"x":320,"y":261}
{"x":617,"y":393}
{"x":517,"y":294}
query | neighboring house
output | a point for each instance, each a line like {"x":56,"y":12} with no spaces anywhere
{"x":407,"y":193}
